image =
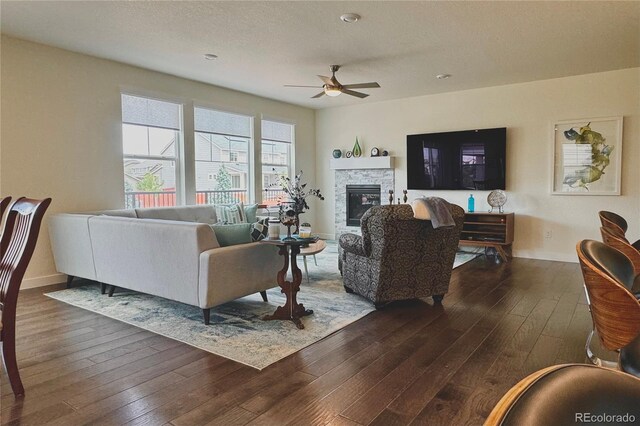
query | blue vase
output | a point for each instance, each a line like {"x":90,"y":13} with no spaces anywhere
{"x":471,"y":204}
{"x":337,"y":153}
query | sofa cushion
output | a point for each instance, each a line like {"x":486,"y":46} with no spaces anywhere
{"x":229,"y":235}
{"x":230,"y":214}
{"x":260,"y":229}
{"x":199,"y":214}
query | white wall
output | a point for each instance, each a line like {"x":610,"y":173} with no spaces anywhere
{"x":61,"y":129}
{"x":527,"y":110}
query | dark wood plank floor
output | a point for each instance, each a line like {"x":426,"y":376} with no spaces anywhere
{"x":411,"y":363}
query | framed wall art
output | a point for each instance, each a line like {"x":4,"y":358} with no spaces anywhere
{"x":587,"y":156}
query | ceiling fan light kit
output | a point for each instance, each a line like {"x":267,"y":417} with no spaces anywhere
{"x":332,"y":86}
{"x":331,"y":91}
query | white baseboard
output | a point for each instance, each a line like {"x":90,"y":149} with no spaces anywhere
{"x":43,"y":281}
{"x":554,"y":257}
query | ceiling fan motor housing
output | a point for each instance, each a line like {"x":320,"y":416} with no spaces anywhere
{"x":332,"y":86}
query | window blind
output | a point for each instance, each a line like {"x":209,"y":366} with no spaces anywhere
{"x":225,"y":123}
{"x":150,"y":112}
{"x":274,"y":131}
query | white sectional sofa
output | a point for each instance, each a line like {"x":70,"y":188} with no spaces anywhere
{"x":167,"y":252}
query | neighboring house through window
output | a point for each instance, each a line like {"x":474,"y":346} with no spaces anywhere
{"x":150,"y":141}
{"x":222,"y":143}
{"x":277,"y":144}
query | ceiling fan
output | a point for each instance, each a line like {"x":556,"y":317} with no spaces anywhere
{"x":332,"y":87}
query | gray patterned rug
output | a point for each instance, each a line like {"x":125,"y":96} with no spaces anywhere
{"x":237,"y":331}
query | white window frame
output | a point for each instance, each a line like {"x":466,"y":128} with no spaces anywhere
{"x":291,"y":163}
{"x":250,"y":146}
{"x":178,"y":148}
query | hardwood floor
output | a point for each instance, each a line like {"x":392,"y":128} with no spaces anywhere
{"x":411,"y":363}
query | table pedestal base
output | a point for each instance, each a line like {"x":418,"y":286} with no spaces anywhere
{"x":284,"y":313}
{"x":292,"y":310}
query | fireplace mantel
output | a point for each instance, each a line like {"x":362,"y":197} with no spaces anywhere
{"x":361,"y":163}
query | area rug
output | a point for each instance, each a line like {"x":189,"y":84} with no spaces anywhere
{"x":237,"y":331}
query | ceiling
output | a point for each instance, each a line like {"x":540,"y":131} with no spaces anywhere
{"x":402,"y":45}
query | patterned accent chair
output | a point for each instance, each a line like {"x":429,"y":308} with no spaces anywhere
{"x":399,"y":257}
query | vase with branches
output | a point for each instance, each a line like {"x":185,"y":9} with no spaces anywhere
{"x":294,"y":200}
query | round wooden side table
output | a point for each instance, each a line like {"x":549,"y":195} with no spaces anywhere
{"x":312,"y":250}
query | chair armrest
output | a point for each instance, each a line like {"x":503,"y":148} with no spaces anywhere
{"x":353,"y":243}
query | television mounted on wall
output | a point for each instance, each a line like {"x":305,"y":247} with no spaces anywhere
{"x":461,"y":160}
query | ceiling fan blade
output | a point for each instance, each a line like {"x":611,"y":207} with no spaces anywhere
{"x":294,"y":85}
{"x":326,"y":80}
{"x":371,"y":85}
{"x":353,"y":93}
{"x":319,"y":95}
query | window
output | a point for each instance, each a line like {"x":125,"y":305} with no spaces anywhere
{"x":222,"y":143}
{"x":150,"y":140}
{"x":277,"y":141}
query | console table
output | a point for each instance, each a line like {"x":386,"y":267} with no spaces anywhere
{"x":292,"y":310}
{"x":489,"y":230}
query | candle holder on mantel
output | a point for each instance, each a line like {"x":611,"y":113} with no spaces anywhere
{"x":391,"y":196}
{"x":404,"y":198}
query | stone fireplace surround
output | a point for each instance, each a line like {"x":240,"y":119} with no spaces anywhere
{"x":358,"y":176}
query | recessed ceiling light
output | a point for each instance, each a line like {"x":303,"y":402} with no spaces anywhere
{"x":350,"y":18}
{"x":210,"y":56}
{"x":443,"y":76}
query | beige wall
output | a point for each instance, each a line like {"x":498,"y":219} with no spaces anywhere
{"x":61,"y":129}
{"x":527,"y":110}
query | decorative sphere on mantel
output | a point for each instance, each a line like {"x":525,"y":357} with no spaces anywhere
{"x":337,"y":153}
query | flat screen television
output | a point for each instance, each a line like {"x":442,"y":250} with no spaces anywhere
{"x":468,"y":159}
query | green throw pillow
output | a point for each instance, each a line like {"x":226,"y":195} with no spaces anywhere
{"x":251,"y":213}
{"x":229,"y":235}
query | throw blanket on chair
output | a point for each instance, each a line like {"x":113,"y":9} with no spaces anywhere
{"x":434,"y":208}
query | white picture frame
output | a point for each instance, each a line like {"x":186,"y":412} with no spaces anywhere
{"x":587,"y":156}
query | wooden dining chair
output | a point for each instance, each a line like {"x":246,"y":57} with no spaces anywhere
{"x":610,"y":281}
{"x":18,"y":242}
{"x":617,"y":225}
{"x":565,"y":394}
{"x":3,"y":206}
{"x":621,"y":244}
{"x":614,"y":221}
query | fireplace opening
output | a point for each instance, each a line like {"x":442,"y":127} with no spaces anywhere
{"x":361,"y":198}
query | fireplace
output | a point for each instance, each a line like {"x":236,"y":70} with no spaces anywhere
{"x":361,"y":198}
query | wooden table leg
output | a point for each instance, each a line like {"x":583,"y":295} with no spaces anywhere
{"x":505,"y":254}
{"x":306,"y":270}
{"x":292,"y":310}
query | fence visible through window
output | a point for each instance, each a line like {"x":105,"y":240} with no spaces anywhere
{"x":135,"y":200}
